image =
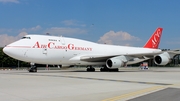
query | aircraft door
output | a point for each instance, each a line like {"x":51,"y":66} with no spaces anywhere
{"x":25,"y":53}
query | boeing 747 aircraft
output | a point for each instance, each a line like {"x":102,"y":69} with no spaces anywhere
{"x":44,"y":49}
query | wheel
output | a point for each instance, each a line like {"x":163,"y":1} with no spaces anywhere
{"x":33,"y":69}
{"x":104,"y":69}
{"x":109,"y":70}
{"x":114,"y":70}
{"x":91,"y":69}
{"x":88,"y":69}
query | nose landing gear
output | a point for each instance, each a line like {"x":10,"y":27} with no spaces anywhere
{"x":33,"y":68}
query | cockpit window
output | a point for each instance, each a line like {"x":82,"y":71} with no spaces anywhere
{"x":26,"y":37}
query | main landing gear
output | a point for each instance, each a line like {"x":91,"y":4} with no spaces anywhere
{"x":90,"y":69}
{"x":105,"y":69}
{"x":33,"y":68}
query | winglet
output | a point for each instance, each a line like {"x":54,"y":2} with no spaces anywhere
{"x":154,"y":40}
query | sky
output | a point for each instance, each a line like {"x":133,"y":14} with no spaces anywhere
{"x":118,"y":22}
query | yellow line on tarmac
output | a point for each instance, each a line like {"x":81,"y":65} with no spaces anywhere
{"x":135,"y":93}
{"x":174,"y":85}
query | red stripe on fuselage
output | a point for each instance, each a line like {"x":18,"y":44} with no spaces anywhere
{"x":20,"y":46}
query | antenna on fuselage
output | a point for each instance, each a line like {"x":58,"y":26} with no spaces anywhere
{"x":47,"y":33}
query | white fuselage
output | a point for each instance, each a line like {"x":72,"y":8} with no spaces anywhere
{"x":61,"y":50}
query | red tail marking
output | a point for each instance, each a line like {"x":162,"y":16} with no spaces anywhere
{"x":154,"y":40}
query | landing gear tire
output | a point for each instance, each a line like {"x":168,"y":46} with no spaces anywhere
{"x":33,"y":69}
{"x":90,"y":69}
{"x":114,"y":70}
{"x":109,"y":70}
{"x":104,"y":69}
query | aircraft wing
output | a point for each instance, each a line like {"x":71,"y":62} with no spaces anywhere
{"x":173,"y":51}
{"x":103,"y":58}
{"x":96,"y":58}
{"x":137,"y":60}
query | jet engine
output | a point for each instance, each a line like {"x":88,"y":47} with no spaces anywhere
{"x":162,"y":59}
{"x":116,"y":62}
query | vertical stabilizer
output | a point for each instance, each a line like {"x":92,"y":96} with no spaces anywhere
{"x":154,"y":40}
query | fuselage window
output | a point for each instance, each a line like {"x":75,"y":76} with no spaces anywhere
{"x":25,"y":38}
{"x":52,"y":40}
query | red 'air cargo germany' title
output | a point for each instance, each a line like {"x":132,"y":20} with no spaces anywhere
{"x":53,"y":45}
{"x":44,"y":49}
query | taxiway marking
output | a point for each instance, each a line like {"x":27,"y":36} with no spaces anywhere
{"x":139,"y":92}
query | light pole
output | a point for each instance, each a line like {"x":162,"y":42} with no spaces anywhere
{"x":18,"y":64}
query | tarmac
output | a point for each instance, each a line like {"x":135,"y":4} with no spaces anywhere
{"x":75,"y":84}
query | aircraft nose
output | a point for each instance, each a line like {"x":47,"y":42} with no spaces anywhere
{"x":6,"y":50}
{"x":11,"y":51}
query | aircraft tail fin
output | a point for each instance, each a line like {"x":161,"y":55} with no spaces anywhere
{"x":154,"y":40}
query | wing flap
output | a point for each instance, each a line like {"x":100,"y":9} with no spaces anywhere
{"x":95,"y":58}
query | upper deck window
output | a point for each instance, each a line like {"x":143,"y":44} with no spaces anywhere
{"x":26,"y":37}
{"x":52,"y":40}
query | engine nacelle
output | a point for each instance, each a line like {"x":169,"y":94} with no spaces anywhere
{"x":116,"y":62}
{"x":162,"y":59}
